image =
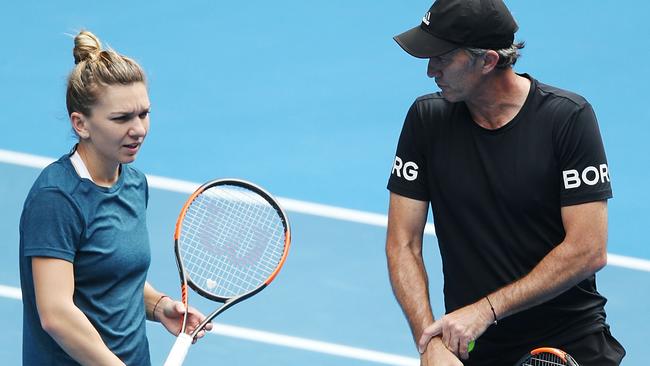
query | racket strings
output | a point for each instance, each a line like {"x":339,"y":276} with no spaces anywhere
{"x":234,"y":276}
{"x":249,"y":240}
{"x":230,"y":251}
{"x":231,"y":241}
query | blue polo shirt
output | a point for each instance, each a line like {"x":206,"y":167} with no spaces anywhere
{"x":103,"y":233}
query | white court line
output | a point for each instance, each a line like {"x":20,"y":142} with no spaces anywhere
{"x":11,"y":292}
{"x":628,"y":262}
{"x":284,"y":340}
{"x":314,"y":346}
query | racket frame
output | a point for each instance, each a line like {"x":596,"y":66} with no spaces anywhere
{"x":185,"y":281}
{"x":554,"y":351}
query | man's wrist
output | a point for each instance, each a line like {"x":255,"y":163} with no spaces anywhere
{"x":495,"y":319}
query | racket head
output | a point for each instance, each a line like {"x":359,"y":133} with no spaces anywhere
{"x":547,"y":356}
{"x":231,"y":240}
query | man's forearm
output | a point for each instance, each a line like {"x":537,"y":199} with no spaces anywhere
{"x":410,"y":285}
{"x":564,"y":267}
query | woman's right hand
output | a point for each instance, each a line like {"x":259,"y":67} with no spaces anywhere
{"x":436,"y":354}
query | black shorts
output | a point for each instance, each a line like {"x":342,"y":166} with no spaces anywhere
{"x":597,"y":349}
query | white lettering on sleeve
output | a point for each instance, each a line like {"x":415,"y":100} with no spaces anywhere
{"x":397,"y":166}
{"x":604,"y":173}
{"x":571,"y":179}
{"x":589,"y":176}
{"x":410,"y":171}
{"x":585,"y":176}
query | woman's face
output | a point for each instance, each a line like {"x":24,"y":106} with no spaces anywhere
{"x":118,"y":124}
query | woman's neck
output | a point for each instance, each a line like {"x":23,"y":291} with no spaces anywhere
{"x":103,"y":173}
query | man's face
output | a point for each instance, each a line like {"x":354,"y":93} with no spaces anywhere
{"x":456,"y":73}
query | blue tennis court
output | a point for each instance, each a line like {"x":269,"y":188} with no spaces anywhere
{"x":307,"y":99}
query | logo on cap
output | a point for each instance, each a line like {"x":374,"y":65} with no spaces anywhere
{"x":426,"y":17}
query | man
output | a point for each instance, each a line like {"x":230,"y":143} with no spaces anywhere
{"x":517,"y":178}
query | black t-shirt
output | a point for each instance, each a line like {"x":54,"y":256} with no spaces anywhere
{"x":496,"y":197}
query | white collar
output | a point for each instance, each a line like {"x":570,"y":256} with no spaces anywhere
{"x":80,"y":166}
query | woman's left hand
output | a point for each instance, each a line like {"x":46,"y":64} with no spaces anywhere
{"x":171,"y":315}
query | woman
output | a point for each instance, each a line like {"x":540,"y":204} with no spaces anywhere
{"x":84,"y":247}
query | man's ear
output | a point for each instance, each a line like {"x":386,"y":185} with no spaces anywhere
{"x":79,"y":125}
{"x":490,"y":60}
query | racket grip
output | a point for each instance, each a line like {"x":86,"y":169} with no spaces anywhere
{"x":179,"y":350}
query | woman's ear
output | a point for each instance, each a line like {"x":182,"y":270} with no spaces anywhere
{"x":79,"y":125}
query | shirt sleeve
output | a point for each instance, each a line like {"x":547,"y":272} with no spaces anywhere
{"x":583,"y":165}
{"x":51,"y":226}
{"x":408,"y":174}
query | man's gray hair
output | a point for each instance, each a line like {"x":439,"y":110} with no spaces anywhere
{"x":507,"y":56}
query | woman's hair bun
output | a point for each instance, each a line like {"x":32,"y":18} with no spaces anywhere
{"x":86,"y":47}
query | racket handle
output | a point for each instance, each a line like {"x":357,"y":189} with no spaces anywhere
{"x":179,"y":350}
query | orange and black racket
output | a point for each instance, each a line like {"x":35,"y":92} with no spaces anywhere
{"x":547,"y":356}
{"x":231,"y":239}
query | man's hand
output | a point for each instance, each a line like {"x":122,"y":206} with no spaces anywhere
{"x":459,"y":328}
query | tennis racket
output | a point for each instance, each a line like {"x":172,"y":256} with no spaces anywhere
{"x":547,"y":356}
{"x":231,"y":239}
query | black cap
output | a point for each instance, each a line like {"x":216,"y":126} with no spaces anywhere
{"x":451,"y":24}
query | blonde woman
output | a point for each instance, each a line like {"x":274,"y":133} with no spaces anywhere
{"x":84,"y":246}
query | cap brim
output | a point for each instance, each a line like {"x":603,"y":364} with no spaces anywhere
{"x":421,"y":44}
